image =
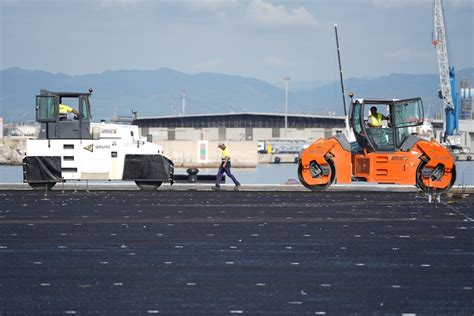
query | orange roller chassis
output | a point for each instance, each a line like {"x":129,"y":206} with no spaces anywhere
{"x":327,"y":154}
{"x":409,"y":167}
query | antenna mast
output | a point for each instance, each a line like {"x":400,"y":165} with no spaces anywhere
{"x":346,"y":118}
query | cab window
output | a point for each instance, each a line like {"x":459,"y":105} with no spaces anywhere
{"x":84,"y":109}
{"x":380,"y":136}
{"x":45,"y":108}
{"x":407,"y":113}
{"x":356,"y":125}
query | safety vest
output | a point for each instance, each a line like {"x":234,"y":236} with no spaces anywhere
{"x":64,"y":109}
{"x":376,"y":121}
{"x":225,"y":154}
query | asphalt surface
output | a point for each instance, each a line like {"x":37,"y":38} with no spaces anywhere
{"x":220,"y":253}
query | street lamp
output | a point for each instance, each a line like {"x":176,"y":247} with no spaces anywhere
{"x":286,"y":104}
{"x":183,"y":103}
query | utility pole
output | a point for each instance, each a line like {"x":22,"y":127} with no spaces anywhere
{"x":286,"y":104}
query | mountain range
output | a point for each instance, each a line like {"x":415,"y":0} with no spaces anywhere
{"x":159,"y":92}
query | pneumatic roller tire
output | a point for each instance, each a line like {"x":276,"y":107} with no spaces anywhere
{"x":148,"y":185}
{"x":41,"y":185}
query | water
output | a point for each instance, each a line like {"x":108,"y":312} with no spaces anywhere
{"x":263,"y":174}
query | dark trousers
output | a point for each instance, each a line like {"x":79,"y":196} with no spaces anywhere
{"x":227,"y":171}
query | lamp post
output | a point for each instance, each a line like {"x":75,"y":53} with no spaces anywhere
{"x":286,"y":104}
{"x":183,"y":103}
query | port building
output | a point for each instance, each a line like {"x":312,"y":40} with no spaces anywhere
{"x":245,"y":126}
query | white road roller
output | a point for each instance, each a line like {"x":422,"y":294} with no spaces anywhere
{"x":71,"y":147}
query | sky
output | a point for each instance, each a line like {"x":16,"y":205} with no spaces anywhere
{"x":265,"y":39}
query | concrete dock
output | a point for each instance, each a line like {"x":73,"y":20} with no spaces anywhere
{"x":182,"y":251}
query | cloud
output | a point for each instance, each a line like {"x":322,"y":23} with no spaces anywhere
{"x":118,"y":3}
{"x":276,"y":62}
{"x":462,"y":4}
{"x":388,"y":4}
{"x":266,"y":14}
{"x":406,"y":55}
{"x":401,"y":4}
{"x":212,"y":5}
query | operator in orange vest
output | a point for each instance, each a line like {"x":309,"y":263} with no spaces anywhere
{"x":375,"y":119}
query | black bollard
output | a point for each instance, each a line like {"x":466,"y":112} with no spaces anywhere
{"x":192,"y":175}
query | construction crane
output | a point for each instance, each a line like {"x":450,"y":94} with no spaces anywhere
{"x":447,"y":80}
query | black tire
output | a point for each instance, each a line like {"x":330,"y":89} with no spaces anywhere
{"x":424,"y":188}
{"x":148,"y":185}
{"x":318,"y":187}
{"x":41,"y":185}
{"x":469,"y":158}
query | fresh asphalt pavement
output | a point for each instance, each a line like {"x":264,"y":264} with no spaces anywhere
{"x":218,"y":253}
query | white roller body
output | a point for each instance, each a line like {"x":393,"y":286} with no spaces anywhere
{"x":101,"y":157}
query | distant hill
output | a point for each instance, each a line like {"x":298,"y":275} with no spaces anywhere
{"x":392,"y":86}
{"x":158,"y":92}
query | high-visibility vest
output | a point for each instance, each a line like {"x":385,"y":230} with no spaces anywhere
{"x":64,"y":109}
{"x":225,"y":154}
{"x":376,"y":121}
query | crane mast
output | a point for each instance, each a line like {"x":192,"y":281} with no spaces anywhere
{"x":446,"y":75}
{"x":441,"y":48}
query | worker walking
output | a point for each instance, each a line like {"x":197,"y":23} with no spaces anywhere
{"x":225,"y":168}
